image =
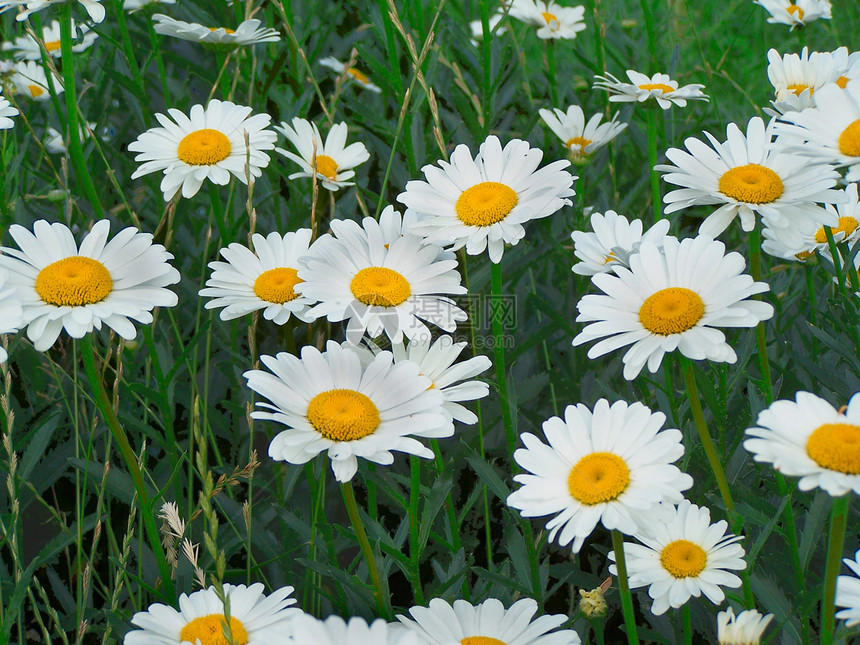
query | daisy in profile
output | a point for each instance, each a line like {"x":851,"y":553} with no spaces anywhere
{"x":613,"y":241}
{"x":612,"y":466}
{"x":26,"y":48}
{"x":581,"y":138}
{"x":671,"y":299}
{"x":747,"y":176}
{"x":11,"y":314}
{"x":255,"y":618}
{"x":55,"y":141}
{"x":330,"y":403}
{"x":488,"y":622}
{"x":334,"y":630}
{"x":796,"y":77}
{"x":810,"y":439}
{"x":682,"y":558}
{"x":744,"y":629}
{"x":262,"y":279}
{"x":377,"y":287}
{"x":553,"y":20}
{"x":352,"y":73}
{"x":795,"y":14}
{"x":848,"y":593}
{"x":94,"y":8}
{"x":476,"y":27}
{"x":249,"y":32}
{"x":659,"y":87}
{"x":847,"y":65}
{"x":482,"y":203}
{"x":61,"y":285}
{"x":208,"y":144}
{"x":29,"y":79}
{"x":6,"y":111}
{"x":334,"y":160}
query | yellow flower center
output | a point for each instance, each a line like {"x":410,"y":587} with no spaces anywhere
{"x":794,"y":9}
{"x":359,"y":76}
{"x":836,"y":446}
{"x":36,"y":91}
{"x":209,"y":631}
{"x":665,"y":89}
{"x":228,"y":31}
{"x":327,"y":167}
{"x":481,"y":640}
{"x":799,"y":88}
{"x":343,"y":415}
{"x":52,"y":46}
{"x":752,"y":183}
{"x":486,"y":203}
{"x":683,"y":559}
{"x":74,"y":282}
{"x":847,"y":225}
{"x":204,"y":147}
{"x":276,"y":285}
{"x":549,"y":18}
{"x":849,"y":140}
{"x":598,"y":477}
{"x":842,"y":81}
{"x":582,"y":142}
{"x":671,"y":311}
{"x":803,"y":255}
{"x":380,"y":287}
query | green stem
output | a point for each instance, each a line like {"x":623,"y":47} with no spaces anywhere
{"x":352,"y":510}
{"x":499,"y":353}
{"x":688,"y":624}
{"x":486,"y":68}
{"x":597,"y":624}
{"x":550,"y":64}
{"x":104,"y":404}
{"x":624,"y":588}
{"x":838,"y":520}
{"x":657,"y":201}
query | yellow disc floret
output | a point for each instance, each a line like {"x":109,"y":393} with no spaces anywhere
{"x":343,"y":415}
{"x":794,"y":9}
{"x":842,"y":81}
{"x":358,"y":76}
{"x":327,"y":167}
{"x":836,"y":446}
{"x":549,"y":19}
{"x":486,"y":203}
{"x":209,"y":630}
{"x":752,"y":183}
{"x":849,"y":140}
{"x":582,"y":142}
{"x":847,"y":225}
{"x":799,"y":88}
{"x":683,"y":559}
{"x":204,"y":147}
{"x":664,"y":89}
{"x":52,"y":45}
{"x":36,"y":90}
{"x":74,"y":282}
{"x":276,"y":285}
{"x":597,"y":478}
{"x":481,"y":640}
{"x":671,"y":311}
{"x":380,"y":287}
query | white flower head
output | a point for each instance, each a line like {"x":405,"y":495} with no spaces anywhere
{"x":331,"y":403}
{"x":61,"y":285}
{"x":744,"y":629}
{"x":249,"y":32}
{"x":659,"y":87}
{"x":482,"y":203}
{"x":334,"y":160}
{"x":795,"y":13}
{"x":207,"y":144}
{"x":94,"y":8}
{"x":612,"y":466}
{"x":580,"y":138}
{"x":613,"y":241}
{"x":671,"y":299}
{"x":810,"y":439}
{"x":746,"y":176}
{"x":55,"y":142}
{"x":796,"y":77}
{"x":255,"y":618}
{"x":6,"y":111}
{"x":26,"y":48}
{"x":352,"y":73}
{"x":552,"y":19}
{"x":683,"y":558}
{"x":848,"y":593}
{"x":29,"y":79}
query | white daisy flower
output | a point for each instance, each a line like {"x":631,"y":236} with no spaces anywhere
{"x":795,"y":14}
{"x":393,"y":226}
{"x":476,"y":27}
{"x":61,"y":285}
{"x":94,"y":8}
{"x":136,"y":5}
{"x":208,"y":144}
{"x":26,"y":48}
{"x":671,"y":299}
{"x":6,"y":111}
{"x":329,"y":402}
{"x":810,"y":439}
{"x":746,"y":175}
{"x":683,"y":558}
{"x":847,"y":65}
{"x":744,"y":629}
{"x":30,"y":80}
{"x":848,"y":593}
{"x":11,"y":314}
{"x":334,"y":630}
{"x":488,"y":622}
{"x":641,"y":88}
{"x":581,"y":138}
{"x":255,"y":619}
{"x":248,"y":32}
{"x":612,"y":466}
{"x":796,"y":77}
{"x":380,"y":287}
{"x":613,"y":241}
{"x":260,"y":279}
{"x":350,"y":72}
{"x":482,"y":203}
{"x":554,"y":20}
{"x":55,"y":141}
{"x":334,"y":160}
